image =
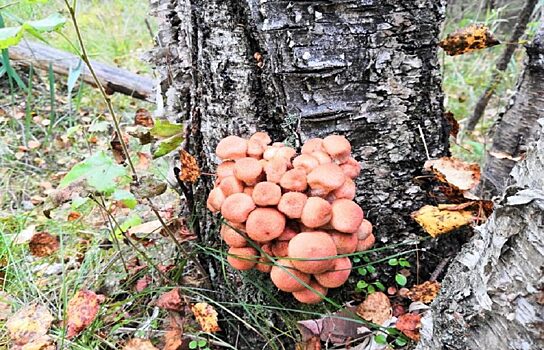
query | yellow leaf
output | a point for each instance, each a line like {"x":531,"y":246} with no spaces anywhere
{"x":29,"y":324}
{"x":472,"y":38}
{"x":206,"y":316}
{"x":442,"y":219}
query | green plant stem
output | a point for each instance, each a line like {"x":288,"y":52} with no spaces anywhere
{"x":85,"y":57}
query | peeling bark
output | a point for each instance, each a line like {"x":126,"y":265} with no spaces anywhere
{"x":366,"y":69}
{"x":492,"y":296}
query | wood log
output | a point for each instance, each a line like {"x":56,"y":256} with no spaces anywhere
{"x":112,"y":78}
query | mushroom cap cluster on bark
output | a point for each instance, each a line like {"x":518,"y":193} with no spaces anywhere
{"x":298,"y":209}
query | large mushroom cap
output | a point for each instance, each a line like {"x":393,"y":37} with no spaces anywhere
{"x":231,"y":147}
{"x":225,"y":169}
{"x":292,"y":204}
{"x":322,"y":157}
{"x":266,"y":193}
{"x":294,"y":180}
{"x":248,"y":170}
{"x":231,"y":237}
{"x":237,"y":207}
{"x":312,"y":145}
{"x":366,"y":244}
{"x":315,"y":251}
{"x":215,"y":200}
{"x":337,"y":276}
{"x":326,"y":178}
{"x":364,"y":230}
{"x":306,"y":162}
{"x":351,"y":168}
{"x":265,"y":224}
{"x":287,"y":278}
{"x":346,"y":243}
{"x":346,"y":191}
{"x":317,"y":212}
{"x":308,"y":296}
{"x":346,"y":216}
{"x":275,"y":168}
{"x":338,"y":147}
{"x":261,"y":137}
{"x":242,"y":258}
{"x":230,"y":185}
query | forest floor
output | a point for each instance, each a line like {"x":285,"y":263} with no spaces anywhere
{"x":42,"y":138}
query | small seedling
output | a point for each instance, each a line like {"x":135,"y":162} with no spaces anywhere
{"x":199,"y":344}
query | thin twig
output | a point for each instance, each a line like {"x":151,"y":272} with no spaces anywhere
{"x":424,"y":142}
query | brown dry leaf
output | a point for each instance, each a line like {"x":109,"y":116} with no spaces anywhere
{"x":173,"y":338}
{"x":425,"y":292}
{"x":43,"y":244}
{"x":143,"y":118}
{"x":336,"y":328}
{"x":82,"y":310}
{"x":376,"y":308}
{"x":409,"y":324}
{"x":452,"y":122}
{"x":139,"y":344}
{"x":29,"y":324}
{"x":73,"y":216}
{"x":190,"y":172}
{"x":144,"y":161}
{"x":468,"y":39}
{"x":206,"y":316}
{"x":117,"y":148}
{"x":170,"y":300}
{"x":461,"y":175}
{"x":439,"y":220}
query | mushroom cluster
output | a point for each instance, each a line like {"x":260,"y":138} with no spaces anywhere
{"x":298,"y":209}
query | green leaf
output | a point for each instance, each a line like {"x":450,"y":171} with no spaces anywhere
{"x":168,"y":145}
{"x":101,"y":172}
{"x":201,"y":343}
{"x":78,"y":202}
{"x":10,"y":36}
{"x":163,"y":128}
{"x":393,"y":262}
{"x":370,"y":289}
{"x":371,"y":269}
{"x":102,"y":126}
{"x":193,"y":344}
{"x":356,"y":259}
{"x":380,"y":339}
{"x":362,"y":271}
{"x":125,"y":197}
{"x":131,"y":221}
{"x":404,"y":263}
{"x":379,"y":285}
{"x":366,"y":259}
{"x":401,"y":280}
{"x":400,"y":342}
{"x":362,"y":284}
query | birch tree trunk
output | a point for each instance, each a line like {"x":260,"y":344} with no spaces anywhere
{"x":366,"y":69}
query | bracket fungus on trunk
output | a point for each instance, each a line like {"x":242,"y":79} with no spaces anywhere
{"x":290,"y":215}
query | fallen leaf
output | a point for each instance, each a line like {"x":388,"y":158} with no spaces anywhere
{"x":173,"y":338}
{"x":336,"y":328}
{"x":44,"y":342}
{"x":117,"y":148}
{"x":73,"y":216}
{"x":43,"y":244}
{"x":452,"y":123}
{"x":206,"y":316}
{"x":29,"y":324}
{"x":5,"y":306}
{"x":461,"y":175}
{"x":409,"y":324}
{"x":82,"y":310}
{"x":25,"y":235}
{"x":314,"y":343}
{"x":142,"y":283}
{"x":439,"y":220}
{"x":190,"y":172}
{"x":139,"y":344}
{"x":143,"y":118}
{"x":148,"y":187}
{"x":144,"y":161}
{"x":170,"y":300}
{"x":33,"y":144}
{"x":468,"y":39}
{"x":425,"y":292}
{"x":375,"y":308}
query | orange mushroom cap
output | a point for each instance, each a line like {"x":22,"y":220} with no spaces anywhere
{"x":274,"y":169}
{"x":326,"y":178}
{"x":308,"y":296}
{"x":315,"y":249}
{"x":231,"y":237}
{"x":346,"y":216}
{"x":306,"y":162}
{"x":337,"y":276}
{"x":225,"y":169}
{"x":292,"y":204}
{"x":215,"y":200}
{"x":346,"y":243}
{"x":322,"y":157}
{"x":264,"y":264}
{"x":231,"y":185}
{"x":338,"y":147}
{"x":346,"y":191}
{"x":312,"y":145}
{"x":266,"y":193}
{"x":294,"y":180}
{"x":265,"y":224}
{"x":231,"y":147}
{"x":248,"y":170}
{"x":366,"y":244}
{"x":287,"y":278}
{"x":242,"y":258}
{"x":237,"y":207}
{"x":261,"y":137}
{"x":279,"y":248}
{"x":316,"y":212}
{"x":364,"y":230}
{"x":287,"y":234}
{"x":351,"y":168}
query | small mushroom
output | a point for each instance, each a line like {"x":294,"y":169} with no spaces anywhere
{"x":316,"y":212}
{"x":237,"y":207}
{"x":286,"y":153}
{"x":265,"y":224}
{"x":315,"y":251}
{"x":322,"y":157}
{"x":346,"y":243}
{"x":346,"y":191}
{"x":287,"y":278}
{"x":255,"y":149}
{"x":279,"y":248}
{"x":346,"y":216}
{"x":270,"y":152}
{"x":306,"y":162}
{"x":242,"y":258}
{"x":274,"y":169}
{"x":308,"y":296}
{"x":232,"y":237}
{"x":287,"y":234}
{"x":337,"y":276}
{"x":326,"y":178}
{"x":265,"y":264}
{"x":366,"y":244}
{"x":338,"y":147}
{"x":225,"y":169}
{"x":215,"y":200}
{"x":248,"y":170}
{"x":231,"y":185}
{"x":364,"y":230}
{"x":231,"y":147}
{"x":261,"y":137}
{"x":351,"y":168}
{"x":312,"y":145}
{"x":292,"y":203}
{"x":266,"y":193}
{"x":294,"y":180}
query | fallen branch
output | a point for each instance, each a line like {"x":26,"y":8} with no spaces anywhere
{"x":112,"y":78}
